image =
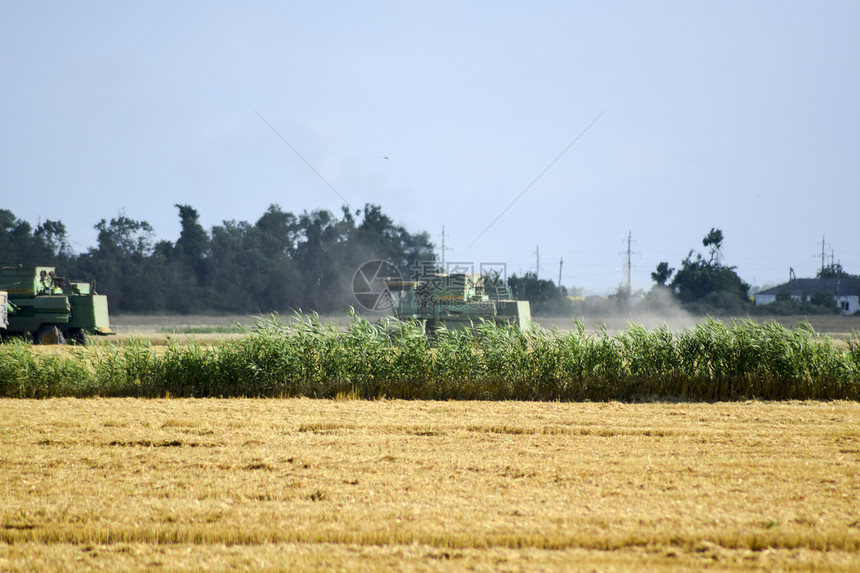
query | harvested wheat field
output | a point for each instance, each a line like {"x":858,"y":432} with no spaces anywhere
{"x":132,"y":484}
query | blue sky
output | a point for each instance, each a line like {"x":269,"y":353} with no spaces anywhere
{"x":738,"y":115}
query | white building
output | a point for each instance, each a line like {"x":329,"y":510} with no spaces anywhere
{"x":845,"y":291}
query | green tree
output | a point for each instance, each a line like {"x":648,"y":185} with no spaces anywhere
{"x":824,"y":299}
{"x":192,"y":246}
{"x":377,"y":237}
{"x":320,"y":261}
{"x":238,"y":269}
{"x":124,"y":238}
{"x":272,"y":241}
{"x":662,"y":274}
{"x":714,"y":241}
{"x":121,"y":265}
{"x":253,"y":266}
{"x":834,"y":271}
{"x":543,"y":295}
{"x":21,"y":244}
{"x":329,"y":251}
{"x":279,"y":263}
{"x":707,"y":283}
{"x":277,"y":232}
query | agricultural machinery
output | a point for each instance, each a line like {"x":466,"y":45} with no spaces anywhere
{"x":456,"y":301}
{"x":51,"y":309}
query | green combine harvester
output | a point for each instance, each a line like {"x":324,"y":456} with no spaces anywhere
{"x":51,"y":310}
{"x":456,"y":301}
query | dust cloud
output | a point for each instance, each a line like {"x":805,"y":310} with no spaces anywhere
{"x":656,"y":309}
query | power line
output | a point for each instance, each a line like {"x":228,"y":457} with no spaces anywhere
{"x":529,"y":186}
{"x":303,"y":159}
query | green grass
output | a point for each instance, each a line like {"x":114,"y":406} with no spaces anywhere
{"x":303,"y":357}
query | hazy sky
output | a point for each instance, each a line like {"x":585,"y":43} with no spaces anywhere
{"x":743,"y":116}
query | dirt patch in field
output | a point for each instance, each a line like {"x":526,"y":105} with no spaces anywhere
{"x":152,"y":324}
{"x":214,"y":329}
{"x":834,"y":325}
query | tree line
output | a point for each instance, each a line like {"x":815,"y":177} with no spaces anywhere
{"x":283,"y":261}
{"x":703,"y":284}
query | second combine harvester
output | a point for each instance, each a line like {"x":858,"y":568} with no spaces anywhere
{"x":455,"y":301}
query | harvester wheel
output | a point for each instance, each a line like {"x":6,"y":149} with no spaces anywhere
{"x":79,"y":336}
{"x":49,"y":334}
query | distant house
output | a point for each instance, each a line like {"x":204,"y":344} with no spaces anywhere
{"x":845,"y":291}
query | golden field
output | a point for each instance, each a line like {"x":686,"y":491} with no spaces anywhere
{"x":131,"y":484}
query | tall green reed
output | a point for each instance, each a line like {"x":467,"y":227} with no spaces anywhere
{"x":304,"y":357}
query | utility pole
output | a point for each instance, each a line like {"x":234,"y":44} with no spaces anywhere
{"x":822,"y":254}
{"x":443,"y":249}
{"x":560,"y":262}
{"x":629,"y":282}
{"x":629,"y":252}
{"x":537,"y":261}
